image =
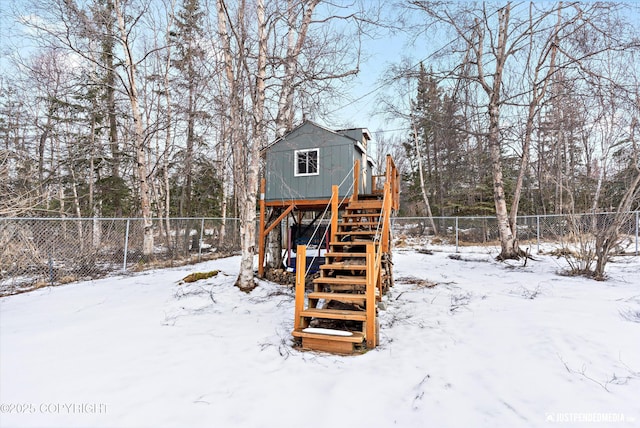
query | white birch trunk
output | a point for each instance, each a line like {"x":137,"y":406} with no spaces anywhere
{"x":423,"y":187}
{"x":139,"y":143}
{"x":231,"y":124}
{"x":508,"y":239}
{"x":248,"y":198}
{"x":168,"y":133}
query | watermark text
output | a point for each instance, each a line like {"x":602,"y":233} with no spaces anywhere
{"x":54,"y":408}
{"x":585,"y":417}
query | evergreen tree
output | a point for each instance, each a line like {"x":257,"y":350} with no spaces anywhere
{"x":441,"y":151}
{"x":188,"y":61}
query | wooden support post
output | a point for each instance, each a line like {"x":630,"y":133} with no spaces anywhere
{"x":288,"y":244}
{"x":356,"y":180}
{"x":386,"y":216}
{"x":393,"y":178}
{"x":371,"y":297}
{"x":301,"y":267}
{"x":334,"y":212}
{"x":379,"y":283}
{"x":396,"y":189}
{"x":261,"y":235}
{"x":387,"y":179}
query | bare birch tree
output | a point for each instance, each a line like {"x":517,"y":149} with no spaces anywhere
{"x":423,"y":187}
{"x":490,"y":43}
{"x":248,"y":55}
{"x":244,"y":146}
{"x":610,"y":236}
{"x":71,"y":25}
{"x":140,"y":142}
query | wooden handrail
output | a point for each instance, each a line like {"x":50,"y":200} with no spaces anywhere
{"x":374,"y":251}
{"x":392,"y":176}
{"x":301,"y":266}
{"x":334,"y":212}
{"x":370,"y":295}
{"x":374,"y":270}
{"x":386,"y":217}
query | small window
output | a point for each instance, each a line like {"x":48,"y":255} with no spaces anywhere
{"x":306,"y":162}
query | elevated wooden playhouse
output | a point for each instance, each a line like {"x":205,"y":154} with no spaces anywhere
{"x":313,"y":173}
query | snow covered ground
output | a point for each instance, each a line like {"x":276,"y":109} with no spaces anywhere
{"x":491,"y":345}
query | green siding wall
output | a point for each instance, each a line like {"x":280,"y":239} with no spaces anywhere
{"x":336,"y":159}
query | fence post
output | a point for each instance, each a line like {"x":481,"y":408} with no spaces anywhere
{"x":538,"y":231}
{"x":200,"y":241}
{"x":50,"y":269}
{"x":457,"y":235}
{"x":126,"y":247}
{"x":637,"y":227}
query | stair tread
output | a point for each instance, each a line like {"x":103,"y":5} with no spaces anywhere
{"x":357,"y":232}
{"x":376,"y":195}
{"x":358,"y":223}
{"x":337,"y":254}
{"x":343,"y":266}
{"x":366,"y":203}
{"x":352,"y":280}
{"x":370,"y":210}
{"x":363,"y":207}
{"x":356,"y":337}
{"x":357,"y":215}
{"x":348,"y":288}
{"x":352,"y":243}
{"x":341,"y":297}
{"x":335,"y":296}
{"x":336,"y":314}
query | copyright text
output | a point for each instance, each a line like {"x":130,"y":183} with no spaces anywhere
{"x":54,"y":408}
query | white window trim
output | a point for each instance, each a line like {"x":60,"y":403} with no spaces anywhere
{"x":295,"y":163}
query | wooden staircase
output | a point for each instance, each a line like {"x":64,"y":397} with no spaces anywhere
{"x":339,"y":314}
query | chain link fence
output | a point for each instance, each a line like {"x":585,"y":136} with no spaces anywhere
{"x":532,"y":230}
{"x":36,"y":252}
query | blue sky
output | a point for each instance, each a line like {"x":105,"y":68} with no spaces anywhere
{"x":358,"y":108}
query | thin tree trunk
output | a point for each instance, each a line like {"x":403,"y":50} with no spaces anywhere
{"x":94,"y":204}
{"x":538,"y":92}
{"x":423,"y":187}
{"x":285,"y":115}
{"x":284,"y":118}
{"x":110,"y":82}
{"x":606,"y":240}
{"x":223,"y":213}
{"x":76,"y":203}
{"x":139,"y":142}
{"x":223,"y":156}
{"x":508,"y":238}
{"x":168,"y":133}
{"x":41,"y":149}
{"x":165,"y":171}
{"x":188,"y":162}
{"x":247,"y":198}
{"x":76,"y":199}
{"x":232,"y":122}
{"x":601,"y":175}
